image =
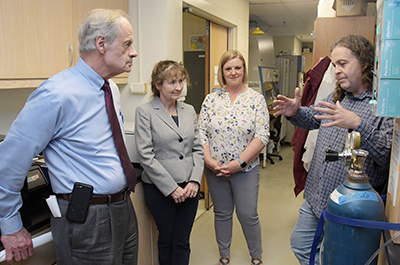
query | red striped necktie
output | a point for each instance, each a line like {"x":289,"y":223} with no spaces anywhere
{"x":118,"y":140}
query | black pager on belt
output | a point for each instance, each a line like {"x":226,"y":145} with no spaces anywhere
{"x":79,"y":202}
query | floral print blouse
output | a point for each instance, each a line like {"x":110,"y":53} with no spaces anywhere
{"x":229,"y":127}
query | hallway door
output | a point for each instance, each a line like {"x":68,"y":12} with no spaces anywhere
{"x":195,"y":64}
{"x":218,"y":38}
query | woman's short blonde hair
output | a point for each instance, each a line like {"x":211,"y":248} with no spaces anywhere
{"x":229,"y":55}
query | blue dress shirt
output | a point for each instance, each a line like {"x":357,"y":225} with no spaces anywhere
{"x":66,"y":118}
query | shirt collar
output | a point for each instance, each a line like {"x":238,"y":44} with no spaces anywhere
{"x":222,"y":90}
{"x":93,"y":78}
{"x":362,"y":95}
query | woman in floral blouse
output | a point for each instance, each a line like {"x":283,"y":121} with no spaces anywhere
{"x":234,"y":128}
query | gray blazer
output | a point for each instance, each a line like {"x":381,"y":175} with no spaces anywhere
{"x":168,"y":154}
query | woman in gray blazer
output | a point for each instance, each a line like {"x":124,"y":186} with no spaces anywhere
{"x":172,"y":157}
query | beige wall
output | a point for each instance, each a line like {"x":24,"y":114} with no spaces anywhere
{"x":297,"y":46}
{"x":291,"y":43}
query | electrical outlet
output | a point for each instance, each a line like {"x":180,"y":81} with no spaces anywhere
{"x":138,"y":88}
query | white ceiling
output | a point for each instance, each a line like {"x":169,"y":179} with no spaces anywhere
{"x":285,"y":17}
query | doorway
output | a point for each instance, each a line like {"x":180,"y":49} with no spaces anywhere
{"x":203,"y":44}
{"x":194,"y":57}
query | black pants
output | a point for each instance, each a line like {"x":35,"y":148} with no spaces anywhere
{"x":174,"y":223}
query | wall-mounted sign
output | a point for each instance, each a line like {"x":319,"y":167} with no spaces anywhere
{"x":197,"y":42}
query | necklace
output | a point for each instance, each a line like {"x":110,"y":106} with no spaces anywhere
{"x":174,"y":114}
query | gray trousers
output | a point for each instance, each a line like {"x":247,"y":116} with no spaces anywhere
{"x":109,"y":235}
{"x":240,"y":190}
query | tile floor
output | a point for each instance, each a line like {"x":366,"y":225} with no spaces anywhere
{"x":278,"y":211}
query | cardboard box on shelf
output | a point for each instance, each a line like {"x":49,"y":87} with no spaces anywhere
{"x":388,"y":97}
{"x":387,"y":66}
{"x":325,"y":8}
{"x":389,"y":54}
{"x":345,"y":8}
{"x":393,"y":198}
{"x":388,"y":19}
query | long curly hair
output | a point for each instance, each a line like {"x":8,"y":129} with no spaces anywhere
{"x":364,"y":51}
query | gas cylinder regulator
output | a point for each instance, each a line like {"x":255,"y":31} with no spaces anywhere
{"x":352,"y":157}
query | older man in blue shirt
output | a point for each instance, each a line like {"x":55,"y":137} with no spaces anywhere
{"x":347,"y":108}
{"x":66,"y":118}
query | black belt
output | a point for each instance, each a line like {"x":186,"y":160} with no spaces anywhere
{"x":103,"y":199}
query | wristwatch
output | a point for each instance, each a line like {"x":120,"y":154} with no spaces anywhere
{"x":242,"y":163}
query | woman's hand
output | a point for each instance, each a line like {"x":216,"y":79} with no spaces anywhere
{"x":216,"y":167}
{"x":179,"y":195}
{"x":212,"y":164}
{"x":233,"y":166}
{"x":224,"y":172}
{"x":191,"y":189}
